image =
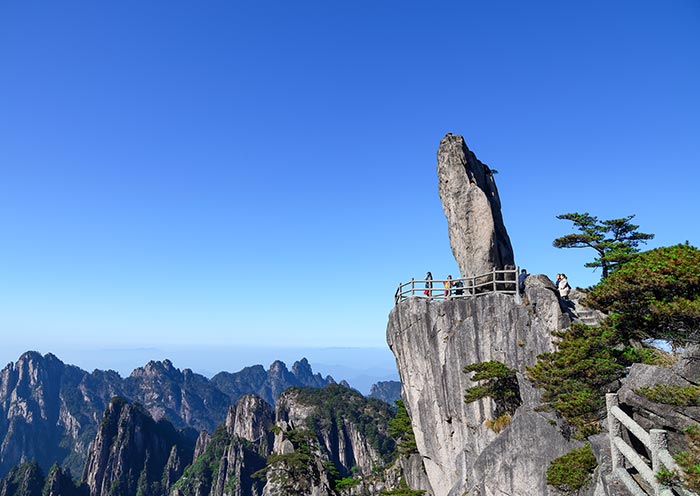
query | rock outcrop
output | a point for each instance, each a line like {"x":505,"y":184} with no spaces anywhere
{"x":472,"y":206}
{"x":434,"y":340}
{"x":133,"y":454}
{"x":269,"y":384}
{"x":320,"y":436}
{"x":50,"y":411}
{"x":387,"y":391}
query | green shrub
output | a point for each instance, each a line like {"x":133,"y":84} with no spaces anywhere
{"x":500,"y":384}
{"x":401,"y":430}
{"x":655,"y":295}
{"x":671,"y":394}
{"x":689,"y":460}
{"x":575,"y":377}
{"x":572,"y":471}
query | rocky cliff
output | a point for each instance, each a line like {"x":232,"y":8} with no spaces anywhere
{"x":269,"y":384}
{"x":434,"y":340}
{"x":314,"y":439}
{"x":134,"y":454}
{"x":387,"y":391}
{"x":50,"y":411}
{"x":472,"y":206}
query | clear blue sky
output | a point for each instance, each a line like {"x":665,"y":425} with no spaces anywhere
{"x":263,"y":173}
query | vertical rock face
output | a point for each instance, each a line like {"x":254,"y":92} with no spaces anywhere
{"x":132,"y":453}
{"x":433,"y":341}
{"x":252,"y":422}
{"x":472,"y":206}
{"x":320,"y":436}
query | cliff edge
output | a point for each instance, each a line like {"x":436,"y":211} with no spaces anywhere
{"x":433,"y":340}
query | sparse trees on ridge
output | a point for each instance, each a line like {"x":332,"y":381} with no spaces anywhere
{"x":616,"y":241}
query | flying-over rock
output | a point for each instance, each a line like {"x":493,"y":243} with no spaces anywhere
{"x":433,"y":341}
{"x":472,"y":206}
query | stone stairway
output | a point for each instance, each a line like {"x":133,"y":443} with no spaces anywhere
{"x":587,"y":316}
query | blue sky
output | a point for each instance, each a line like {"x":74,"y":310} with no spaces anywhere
{"x":240,"y":174}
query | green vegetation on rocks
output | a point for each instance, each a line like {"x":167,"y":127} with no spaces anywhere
{"x":575,"y":377}
{"x":206,"y":466}
{"x":671,"y":394}
{"x":571,"y":472}
{"x":401,"y":429}
{"x":500,"y":384}
{"x":337,"y":404}
{"x":689,"y":460}
{"x":655,"y":295}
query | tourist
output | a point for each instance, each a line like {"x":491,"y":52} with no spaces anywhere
{"x":428,"y":284}
{"x":563,"y":286}
{"x":521,"y":281}
{"x":448,"y":286}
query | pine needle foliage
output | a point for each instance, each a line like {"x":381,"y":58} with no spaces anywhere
{"x":571,"y":472}
{"x":500,"y":384}
{"x":671,"y":394}
{"x":615,"y":241}
{"x":401,"y":429}
{"x":574,"y":377}
{"x":689,"y":460}
{"x":655,"y":295}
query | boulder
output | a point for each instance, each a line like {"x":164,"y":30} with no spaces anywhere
{"x":472,"y":206}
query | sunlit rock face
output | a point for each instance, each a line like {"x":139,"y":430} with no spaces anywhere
{"x":472,"y":206}
{"x":433,"y":340}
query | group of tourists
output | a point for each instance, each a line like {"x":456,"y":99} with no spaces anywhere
{"x":456,"y":287}
{"x":449,"y":284}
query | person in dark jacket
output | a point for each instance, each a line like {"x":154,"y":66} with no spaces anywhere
{"x":521,"y":280}
{"x":428,"y":284}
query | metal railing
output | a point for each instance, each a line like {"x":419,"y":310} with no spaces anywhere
{"x":656,"y":444}
{"x":496,"y":281}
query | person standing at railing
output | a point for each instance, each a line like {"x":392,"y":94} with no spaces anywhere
{"x":563,"y":286}
{"x":521,"y":281}
{"x":448,"y":286}
{"x":428,"y":284}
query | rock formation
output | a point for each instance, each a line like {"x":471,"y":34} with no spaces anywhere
{"x":387,"y":391}
{"x":132,"y":452}
{"x":434,"y":340}
{"x":269,"y":384}
{"x":472,"y":206}
{"x":50,"y":411}
{"x":320,"y":436}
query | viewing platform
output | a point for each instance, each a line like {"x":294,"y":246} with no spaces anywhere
{"x":497,"y":281}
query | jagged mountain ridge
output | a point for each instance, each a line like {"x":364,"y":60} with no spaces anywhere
{"x":306,"y":444}
{"x":50,"y":411}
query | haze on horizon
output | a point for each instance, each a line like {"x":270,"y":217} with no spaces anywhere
{"x":262,"y":175}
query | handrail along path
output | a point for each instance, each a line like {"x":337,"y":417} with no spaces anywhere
{"x":497,"y":281}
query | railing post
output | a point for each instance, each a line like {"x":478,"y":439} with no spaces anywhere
{"x":658,"y":442}
{"x":493,"y":277}
{"x":614,"y":431}
{"x":413,"y":289}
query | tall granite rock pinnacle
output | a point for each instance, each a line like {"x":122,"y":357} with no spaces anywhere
{"x":434,"y":340}
{"x":472,"y":206}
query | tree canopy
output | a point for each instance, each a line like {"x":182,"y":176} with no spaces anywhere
{"x":655,"y":295}
{"x":616,"y":241}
